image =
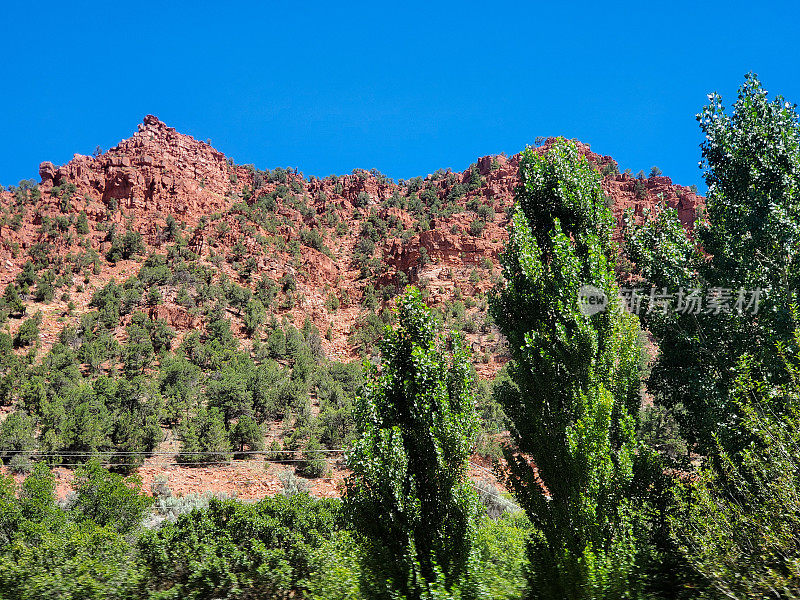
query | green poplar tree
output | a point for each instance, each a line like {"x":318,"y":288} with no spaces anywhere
{"x":408,"y":497}
{"x":574,"y":391}
{"x":746,"y":243}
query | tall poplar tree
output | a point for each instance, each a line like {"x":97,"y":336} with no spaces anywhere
{"x":575,"y":390}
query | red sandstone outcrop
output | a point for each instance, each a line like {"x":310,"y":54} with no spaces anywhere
{"x":157,"y":169}
{"x":175,"y":316}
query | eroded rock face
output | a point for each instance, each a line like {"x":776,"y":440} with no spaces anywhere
{"x":47,"y":173}
{"x":175,"y":316}
{"x":159,"y":171}
{"x":622,"y":189}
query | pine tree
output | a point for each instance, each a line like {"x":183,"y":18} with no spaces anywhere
{"x":13,"y":303}
{"x":82,"y":224}
{"x":247,"y":434}
{"x":204,"y":438}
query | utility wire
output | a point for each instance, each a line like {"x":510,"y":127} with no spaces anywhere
{"x":162,"y":453}
{"x":220,"y":463}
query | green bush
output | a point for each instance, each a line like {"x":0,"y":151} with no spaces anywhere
{"x":476,"y":228}
{"x":178,"y":383}
{"x":247,"y":435}
{"x":233,"y":550}
{"x":254,"y":315}
{"x":108,"y":499}
{"x":486,"y":212}
{"x":276,"y":342}
{"x":738,"y":524}
{"x":501,"y":561}
{"x":28,"y":332}
{"x":640,"y":188}
{"x":17,"y":436}
{"x":314,"y":464}
{"x":204,"y":438}
{"x":53,"y":556}
{"x":82,"y":224}
{"x":228,"y":390}
{"x":12,"y":302}
{"x":332,"y":302}
{"x":125,"y":246}
{"x":314,"y":239}
{"x":44,"y":291}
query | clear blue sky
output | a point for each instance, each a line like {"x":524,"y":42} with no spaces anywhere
{"x":405,"y":87}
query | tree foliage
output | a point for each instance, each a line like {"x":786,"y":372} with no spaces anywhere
{"x":748,"y":240}
{"x":234,"y":550}
{"x":738,"y":525}
{"x":574,"y":389}
{"x":407,"y":497}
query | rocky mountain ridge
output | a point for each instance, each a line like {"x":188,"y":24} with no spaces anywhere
{"x":328,"y":244}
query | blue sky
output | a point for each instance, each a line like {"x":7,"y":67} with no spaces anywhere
{"x":405,"y":87}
